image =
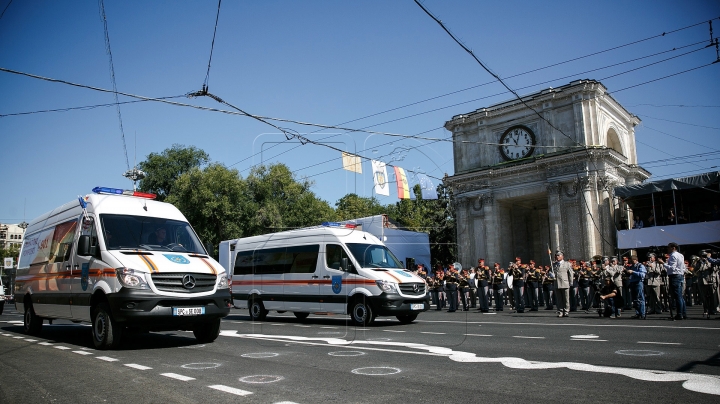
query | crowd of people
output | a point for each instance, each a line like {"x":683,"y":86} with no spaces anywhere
{"x":663,"y":282}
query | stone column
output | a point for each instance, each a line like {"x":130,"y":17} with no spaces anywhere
{"x":464,"y":229}
{"x":589,"y":217}
{"x":554,"y":215}
{"x":492,"y":222}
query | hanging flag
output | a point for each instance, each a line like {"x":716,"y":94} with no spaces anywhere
{"x":427,"y":188}
{"x":352,"y":162}
{"x":380,"y":177}
{"x":402,"y":183}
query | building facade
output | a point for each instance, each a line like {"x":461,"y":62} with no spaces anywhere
{"x":540,"y":173}
{"x":11,"y":235}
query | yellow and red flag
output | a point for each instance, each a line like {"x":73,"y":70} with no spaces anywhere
{"x":402,"y":183}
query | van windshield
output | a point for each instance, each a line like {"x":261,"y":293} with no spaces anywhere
{"x":123,"y":232}
{"x":374,"y":256}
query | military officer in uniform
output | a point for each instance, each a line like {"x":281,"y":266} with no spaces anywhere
{"x":584,"y":285}
{"x":563,"y":280}
{"x":706,"y":272}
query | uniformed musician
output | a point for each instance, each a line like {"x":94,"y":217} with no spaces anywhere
{"x":482,"y":276}
{"x":584,"y":281}
{"x":533,"y":285}
{"x":548,"y":284}
{"x":451,"y":288}
{"x":498,"y":275}
{"x":464,"y":288}
{"x":706,"y":271}
{"x":440,"y":285}
{"x":518,"y":273}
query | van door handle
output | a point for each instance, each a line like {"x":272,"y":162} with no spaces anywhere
{"x":314,"y":277}
{"x":67,"y":267}
{"x":326,"y":277}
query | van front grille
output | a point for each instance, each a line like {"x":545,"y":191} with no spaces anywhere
{"x":408,"y":289}
{"x":180,"y":282}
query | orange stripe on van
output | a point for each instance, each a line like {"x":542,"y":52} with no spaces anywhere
{"x":212,"y":268}
{"x":149,"y":263}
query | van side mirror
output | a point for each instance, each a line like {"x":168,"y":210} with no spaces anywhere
{"x":83,"y":246}
{"x":345,"y":266}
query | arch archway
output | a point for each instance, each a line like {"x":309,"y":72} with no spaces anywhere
{"x":613,"y":141}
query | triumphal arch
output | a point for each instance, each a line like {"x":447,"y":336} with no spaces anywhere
{"x":540,"y":172}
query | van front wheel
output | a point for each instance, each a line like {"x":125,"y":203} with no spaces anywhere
{"x":107,"y":333}
{"x":31,"y":322}
{"x":257,"y":309}
{"x":361,"y":312}
{"x":207,"y":332}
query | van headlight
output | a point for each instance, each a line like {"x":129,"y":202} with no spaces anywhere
{"x":130,"y":278}
{"x":387,"y":287}
{"x":223,"y":282}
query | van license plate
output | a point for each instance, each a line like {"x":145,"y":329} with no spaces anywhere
{"x":188,"y":311}
{"x":417,"y":306}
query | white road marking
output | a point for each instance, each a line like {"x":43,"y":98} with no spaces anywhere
{"x":45,"y":343}
{"x":659,"y":343}
{"x":285,"y":402}
{"x":231,"y":390}
{"x":30,"y":340}
{"x":346,"y":353}
{"x":393,"y":331}
{"x":177,"y":377}
{"x":590,"y":340}
{"x":376,"y":371}
{"x":19,"y":337}
{"x":700,"y":383}
{"x":6,"y":335}
{"x":138,"y":367}
{"x":333,"y":328}
{"x":302,"y":326}
{"x":478,"y":335}
{"x":587,"y":336}
{"x":277,"y":324}
{"x":201,"y":366}
{"x":62,"y":347}
{"x":82,"y":352}
{"x":260,"y":355}
{"x":261,"y":379}
{"x":106,"y":358}
{"x":435,"y":333}
{"x":522,"y":336}
{"x":15,"y":322}
{"x":569,"y":324}
{"x":363,"y":329}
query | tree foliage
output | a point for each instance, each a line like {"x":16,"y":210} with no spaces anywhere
{"x":163,"y":169}
{"x":352,"y":206}
{"x":214,"y":201}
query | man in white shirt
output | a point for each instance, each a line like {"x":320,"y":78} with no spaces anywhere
{"x":675,"y":268}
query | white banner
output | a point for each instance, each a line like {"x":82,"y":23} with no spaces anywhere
{"x":380,"y":178}
{"x":689,"y":233}
{"x":8,"y":263}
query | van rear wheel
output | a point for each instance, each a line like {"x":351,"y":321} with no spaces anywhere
{"x":107,"y":333}
{"x":257,"y":309}
{"x":207,"y":332}
{"x":361,"y":312}
{"x":2,"y":306}
{"x":407,"y":318}
{"x":32,"y":324}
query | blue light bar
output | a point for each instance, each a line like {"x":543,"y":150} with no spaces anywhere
{"x":126,"y":192}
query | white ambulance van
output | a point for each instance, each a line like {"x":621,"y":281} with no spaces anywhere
{"x":333,"y":268}
{"x":119,"y":260}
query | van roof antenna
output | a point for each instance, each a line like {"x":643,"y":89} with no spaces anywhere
{"x":134,"y":175}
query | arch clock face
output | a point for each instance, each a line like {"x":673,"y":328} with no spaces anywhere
{"x":517,"y":142}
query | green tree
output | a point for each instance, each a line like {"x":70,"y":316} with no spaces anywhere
{"x":215,"y":202}
{"x":352,"y":206}
{"x":279,"y":202}
{"x":163,"y":169}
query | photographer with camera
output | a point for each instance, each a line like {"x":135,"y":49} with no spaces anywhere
{"x":675,"y":268}
{"x":706,"y":269}
{"x":614,"y":271}
{"x":607,"y":295}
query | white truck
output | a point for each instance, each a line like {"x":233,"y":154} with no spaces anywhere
{"x":333,"y":268}
{"x":119,"y":259}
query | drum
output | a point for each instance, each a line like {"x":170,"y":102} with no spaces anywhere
{"x":509,"y":281}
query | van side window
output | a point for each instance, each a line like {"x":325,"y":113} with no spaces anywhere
{"x":334,"y":253}
{"x":296,"y":259}
{"x":62,"y":241}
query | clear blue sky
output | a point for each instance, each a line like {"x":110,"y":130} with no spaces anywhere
{"x":325,"y":62}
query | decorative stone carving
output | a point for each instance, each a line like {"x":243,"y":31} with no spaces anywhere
{"x":479,"y":203}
